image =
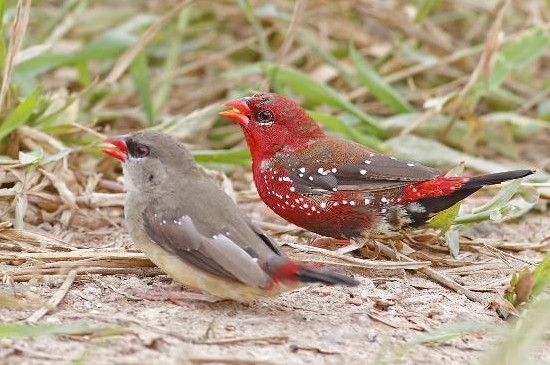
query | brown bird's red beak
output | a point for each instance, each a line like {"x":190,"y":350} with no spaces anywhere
{"x":120,"y":151}
{"x":239,"y":112}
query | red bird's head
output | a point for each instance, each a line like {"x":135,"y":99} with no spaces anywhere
{"x":271,"y":122}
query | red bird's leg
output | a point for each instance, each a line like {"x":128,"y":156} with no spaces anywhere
{"x":328,"y":242}
{"x":175,"y":296}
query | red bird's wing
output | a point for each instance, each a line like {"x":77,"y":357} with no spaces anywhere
{"x":332,"y":164}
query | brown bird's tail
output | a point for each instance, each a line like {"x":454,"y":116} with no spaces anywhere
{"x":284,"y":270}
{"x":325,"y":276}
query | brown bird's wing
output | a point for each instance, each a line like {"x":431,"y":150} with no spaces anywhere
{"x":216,"y":250}
{"x":333,"y":163}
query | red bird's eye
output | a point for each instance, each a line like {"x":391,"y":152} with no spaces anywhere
{"x":265,"y":117}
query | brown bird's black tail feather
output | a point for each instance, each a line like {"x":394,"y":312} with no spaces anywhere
{"x":437,"y":204}
{"x":285,"y":270}
{"x":326,"y":277}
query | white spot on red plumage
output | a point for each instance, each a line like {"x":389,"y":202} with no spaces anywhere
{"x":368,"y":162}
{"x":313,"y":208}
{"x":344,"y":202}
{"x":335,"y":204}
{"x":371,"y":154}
{"x":334,"y":170}
{"x":301,"y":175}
{"x":367,"y":201}
{"x":352,"y":202}
{"x":306,"y":205}
{"x":311,"y":178}
{"x":384,"y":200}
{"x":334,"y":189}
{"x":323,"y":205}
{"x":302,"y":169}
{"x":292,"y":188}
{"x":363,"y":172}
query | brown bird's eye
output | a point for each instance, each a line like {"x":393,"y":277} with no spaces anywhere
{"x":142,"y":151}
{"x":138,"y":150}
{"x":265,"y":117}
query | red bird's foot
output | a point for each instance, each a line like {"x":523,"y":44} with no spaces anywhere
{"x":173,"y":295}
{"x":328,"y":242}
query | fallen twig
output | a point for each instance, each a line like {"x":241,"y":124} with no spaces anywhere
{"x":55,"y":299}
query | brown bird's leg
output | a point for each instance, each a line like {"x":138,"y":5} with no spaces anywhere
{"x":328,"y":242}
{"x":175,"y":296}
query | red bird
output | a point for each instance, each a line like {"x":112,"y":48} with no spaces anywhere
{"x":335,"y":187}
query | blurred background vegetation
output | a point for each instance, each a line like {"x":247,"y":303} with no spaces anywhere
{"x":414,"y":77}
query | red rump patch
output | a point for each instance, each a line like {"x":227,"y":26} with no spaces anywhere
{"x":440,"y":186}
{"x":287,"y":272}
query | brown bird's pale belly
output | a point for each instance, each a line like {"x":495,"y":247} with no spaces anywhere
{"x":193,"y":277}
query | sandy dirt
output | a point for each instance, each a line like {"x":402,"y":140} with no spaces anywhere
{"x":369,"y":324}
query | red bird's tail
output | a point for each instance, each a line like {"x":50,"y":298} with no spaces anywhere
{"x":477,"y":182}
{"x":460,"y":189}
{"x":287,"y":271}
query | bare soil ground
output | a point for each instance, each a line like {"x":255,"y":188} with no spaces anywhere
{"x":369,"y":324}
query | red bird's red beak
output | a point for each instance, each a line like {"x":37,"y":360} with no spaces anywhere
{"x":239,"y":112}
{"x":120,"y":151}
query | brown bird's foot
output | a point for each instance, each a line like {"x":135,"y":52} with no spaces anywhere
{"x":175,"y":296}
{"x":328,"y":242}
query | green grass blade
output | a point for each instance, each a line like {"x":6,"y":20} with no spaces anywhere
{"x":20,"y":114}
{"x":139,"y":69}
{"x":2,"y":36}
{"x":230,"y":157}
{"x":377,"y":86}
{"x":319,"y":94}
{"x":525,"y":337}
{"x":513,"y":56}
{"x":425,"y":8}
{"x":15,"y":330}
{"x":347,"y":131}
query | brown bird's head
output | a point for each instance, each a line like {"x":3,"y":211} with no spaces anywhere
{"x":270,"y":122}
{"x":150,"y":159}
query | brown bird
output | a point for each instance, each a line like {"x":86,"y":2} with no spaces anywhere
{"x":194,"y":232}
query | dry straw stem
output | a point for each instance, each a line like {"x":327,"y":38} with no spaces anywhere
{"x":55,"y":299}
{"x":346,"y":260}
{"x":38,"y":240}
{"x":18,"y":29}
{"x":126,"y":59}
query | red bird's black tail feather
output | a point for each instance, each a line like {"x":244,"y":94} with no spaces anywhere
{"x":431,"y":206}
{"x":477,"y":182}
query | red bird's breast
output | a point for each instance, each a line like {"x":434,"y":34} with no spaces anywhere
{"x":336,"y":214}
